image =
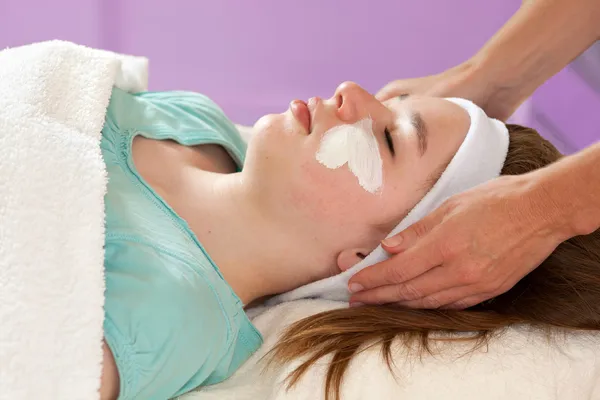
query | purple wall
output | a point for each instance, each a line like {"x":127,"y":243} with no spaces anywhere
{"x":566,"y":110}
{"x":27,"y":21}
{"x":253,"y":57}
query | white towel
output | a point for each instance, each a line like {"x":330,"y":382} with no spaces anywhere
{"x":479,"y":158}
{"x":53,"y":99}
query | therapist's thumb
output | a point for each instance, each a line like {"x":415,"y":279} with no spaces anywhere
{"x":395,"y":88}
{"x":408,"y":237}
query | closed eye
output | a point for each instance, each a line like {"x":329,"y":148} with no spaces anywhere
{"x":390,"y":141}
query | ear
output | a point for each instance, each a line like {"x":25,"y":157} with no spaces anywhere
{"x":350,"y":257}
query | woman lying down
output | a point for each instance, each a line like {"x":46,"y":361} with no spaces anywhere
{"x":191,"y":238}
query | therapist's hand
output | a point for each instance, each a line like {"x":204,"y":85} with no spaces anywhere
{"x":477,"y":245}
{"x":466,"y":81}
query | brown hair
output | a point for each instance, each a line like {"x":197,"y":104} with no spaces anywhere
{"x":563,"y":292}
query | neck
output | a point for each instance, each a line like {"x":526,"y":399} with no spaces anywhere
{"x":247,"y":244}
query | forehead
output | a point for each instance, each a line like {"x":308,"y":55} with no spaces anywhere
{"x":443,"y":118}
{"x":446,"y":124}
{"x":435,"y":108}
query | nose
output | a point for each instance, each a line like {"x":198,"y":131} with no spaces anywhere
{"x":352,"y":102}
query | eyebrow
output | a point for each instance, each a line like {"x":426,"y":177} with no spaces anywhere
{"x":416,"y":120}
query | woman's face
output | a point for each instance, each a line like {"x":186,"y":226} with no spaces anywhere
{"x":415,"y":137}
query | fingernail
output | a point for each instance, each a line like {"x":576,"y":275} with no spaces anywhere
{"x":392,"y":241}
{"x":356,"y":304}
{"x":355,"y":287}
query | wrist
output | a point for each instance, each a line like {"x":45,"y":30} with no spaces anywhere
{"x":531,"y":210}
{"x":562,"y":201}
{"x":475,"y":74}
{"x":489,"y":84}
{"x":549,"y":207}
{"x":505,"y":81}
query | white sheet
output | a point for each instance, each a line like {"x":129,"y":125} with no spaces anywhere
{"x":53,"y":98}
{"x":517,"y":366}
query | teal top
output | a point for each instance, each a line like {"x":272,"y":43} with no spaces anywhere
{"x":172,"y":321}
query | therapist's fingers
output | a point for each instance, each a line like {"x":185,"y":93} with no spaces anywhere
{"x":468,"y":301}
{"x":405,"y":86}
{"x":379,"y":295}
{"x":478,"y":296}
{"x":410,"y":236}
{"x":417,"y":250}
{"x":397,"y":269}
{"x":395,"y":88}
{"x":447,"y":298}
{"x":423,"y":286}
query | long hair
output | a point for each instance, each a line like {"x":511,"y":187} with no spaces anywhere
{"x":562,"y":292}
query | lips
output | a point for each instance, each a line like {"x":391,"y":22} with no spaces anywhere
{"x":301,"y":113}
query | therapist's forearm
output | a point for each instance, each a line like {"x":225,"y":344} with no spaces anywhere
{"x":538,"y":41}
{"x":567,"y":194}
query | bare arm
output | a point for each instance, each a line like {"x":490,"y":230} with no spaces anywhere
{"x":541,"y":38}
{"x":538,"y":41}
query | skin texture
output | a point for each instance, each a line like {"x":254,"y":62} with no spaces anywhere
{"x":480,"y":243}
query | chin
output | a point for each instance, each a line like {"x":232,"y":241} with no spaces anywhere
{"x":267,"y":123}
{"x":279,"y":125}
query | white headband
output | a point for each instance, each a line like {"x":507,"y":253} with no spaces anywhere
{"x":479,"y":159}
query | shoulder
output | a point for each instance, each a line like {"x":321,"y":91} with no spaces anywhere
{"x":136,"y":107}
{"x":197,"y":113}
{"x":194,"y":104}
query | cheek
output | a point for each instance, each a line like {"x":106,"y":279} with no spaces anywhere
{"x":399,"y":196}
{"x":330,"y":195}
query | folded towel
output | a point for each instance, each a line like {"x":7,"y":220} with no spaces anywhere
{"x":479,"y":158}
{"x":53,"y":99}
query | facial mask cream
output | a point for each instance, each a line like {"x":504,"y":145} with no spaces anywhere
{"x":356,"y":146}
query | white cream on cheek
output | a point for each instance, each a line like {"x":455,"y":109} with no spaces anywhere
{"x":356,"y":146}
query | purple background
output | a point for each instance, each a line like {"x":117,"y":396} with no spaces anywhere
{"x":253,"y":57}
